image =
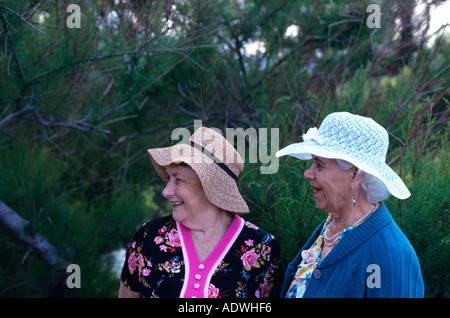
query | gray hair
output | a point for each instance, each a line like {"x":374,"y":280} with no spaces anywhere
{"x":374,"y":188}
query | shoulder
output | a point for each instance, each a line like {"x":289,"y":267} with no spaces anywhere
{"x":378,"y":240}
{"x":381,"y":232}
{"x":155,"y":223}
{"x":391,"y":240}
{"x":392,"y":260}
{"x":152,"y":228}
{"x":390,"y":235}
{"x":389,"y":246}
{"x":253,"y":232}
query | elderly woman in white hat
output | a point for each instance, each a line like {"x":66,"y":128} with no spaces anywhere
{"x":358,"y":251}
{"x":204,"y":249}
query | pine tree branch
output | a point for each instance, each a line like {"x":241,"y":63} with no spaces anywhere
{"x":22,"y":18}
{"x":76,"y":125}
{"x":17,"y":226}
{"x":16,"y":59}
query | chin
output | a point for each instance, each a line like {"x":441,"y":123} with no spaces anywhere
{"x":321,"y":205}
{"x":178,"y":216}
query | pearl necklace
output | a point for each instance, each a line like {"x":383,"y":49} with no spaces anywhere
{"x":335,"y":237}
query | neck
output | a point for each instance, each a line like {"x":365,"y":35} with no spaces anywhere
{"x":348,"y":216}
{"x":212,"y":224}
{"x":208,"y":233}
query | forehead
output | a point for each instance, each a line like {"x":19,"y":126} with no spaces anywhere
{"x":179,"y":169}
{"x":319,"y":158}
{"x":323,"y":160}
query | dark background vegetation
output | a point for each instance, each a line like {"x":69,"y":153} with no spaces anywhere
{"x":79,"y":107}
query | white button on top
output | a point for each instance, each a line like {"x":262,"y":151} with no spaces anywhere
{"x":198,"y":277}
{"x":201,"y":266}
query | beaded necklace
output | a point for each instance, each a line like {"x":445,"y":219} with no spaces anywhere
{"x":337,"y":235}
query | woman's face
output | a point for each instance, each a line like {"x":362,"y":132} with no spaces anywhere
{"x":185,"y":192}
{"x":332,"y":185}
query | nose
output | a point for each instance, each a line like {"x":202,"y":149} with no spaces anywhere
{"x":169,"y":190}
{"x":308,"y":174}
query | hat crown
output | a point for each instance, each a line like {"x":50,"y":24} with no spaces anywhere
{"x":354,"y":135}
{"x":218,"y":146}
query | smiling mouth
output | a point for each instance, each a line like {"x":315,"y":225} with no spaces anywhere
{"x":316,"y":189}
{"x":177,"y":203}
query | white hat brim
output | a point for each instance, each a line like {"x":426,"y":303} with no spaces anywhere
{"x":305,"y":150}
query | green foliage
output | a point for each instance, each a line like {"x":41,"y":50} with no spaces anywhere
{"x":80,"y":228}
{"x":425,"y":217}
{"x":86,"y":103}
{"x":282,"y":204}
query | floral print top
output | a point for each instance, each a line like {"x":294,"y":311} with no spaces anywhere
{"x":162,"y":262}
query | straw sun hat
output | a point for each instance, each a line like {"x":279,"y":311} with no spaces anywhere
{"x":356,"y":139}
{"x":215,"y":161}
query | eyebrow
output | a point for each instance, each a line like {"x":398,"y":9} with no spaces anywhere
{"x":173,"y":173}
{"x":176,"y":174}
{"x":317,"y":158}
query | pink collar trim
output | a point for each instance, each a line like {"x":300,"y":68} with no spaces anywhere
{"x":198,"y":274}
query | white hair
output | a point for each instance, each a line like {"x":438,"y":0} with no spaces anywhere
{"x":374,"y":188}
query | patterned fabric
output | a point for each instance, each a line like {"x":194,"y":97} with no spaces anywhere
{"x":162,"y":262}
{"x":310,"y":260}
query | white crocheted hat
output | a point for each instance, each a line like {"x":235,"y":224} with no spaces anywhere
{"x":353,"y":138}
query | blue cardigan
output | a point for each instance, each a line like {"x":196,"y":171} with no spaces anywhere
{"x":374,"y":259}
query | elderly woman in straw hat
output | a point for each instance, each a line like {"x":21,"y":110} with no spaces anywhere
{"x":358,"y":251}
{"x":204,"y":248}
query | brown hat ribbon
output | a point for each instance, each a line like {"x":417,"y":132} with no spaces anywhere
{"x":216,"y":160}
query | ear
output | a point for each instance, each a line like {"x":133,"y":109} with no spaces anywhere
{"x":358,"y":176}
